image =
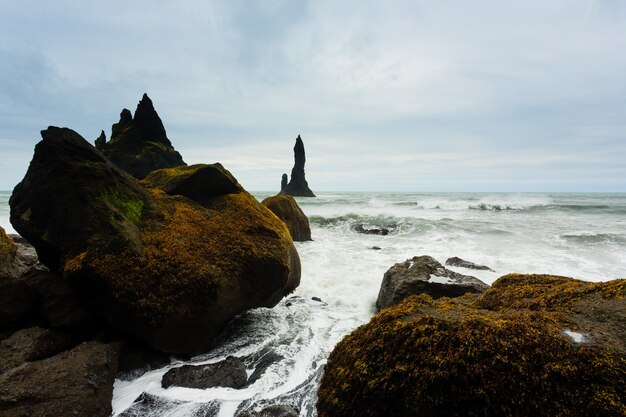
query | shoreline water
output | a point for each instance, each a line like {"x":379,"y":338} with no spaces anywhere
{"x":572,"y":234}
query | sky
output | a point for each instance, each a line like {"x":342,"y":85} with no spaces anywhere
{"x":487,"y":95}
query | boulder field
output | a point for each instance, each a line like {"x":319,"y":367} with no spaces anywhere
{"x":529,"y":345}
{"x":170,"y":259}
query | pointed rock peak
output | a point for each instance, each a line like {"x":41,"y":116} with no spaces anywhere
{"x":125,"y":117}
{"x":298,"y":185}
{"x":283,"y":182}
{"x":101,"y":141}
{"x":148,"y":123}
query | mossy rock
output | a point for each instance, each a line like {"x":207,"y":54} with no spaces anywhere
{"x":449,"y":357}
{"x":8,"y":249}
{"x":286,"y":208}
{"x":155,"y":265}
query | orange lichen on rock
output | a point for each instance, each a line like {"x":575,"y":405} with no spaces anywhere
{"x":445,"y":357}
{"x":7,"y":247}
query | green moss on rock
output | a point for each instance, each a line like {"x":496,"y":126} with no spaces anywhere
{"x":448,"y":357}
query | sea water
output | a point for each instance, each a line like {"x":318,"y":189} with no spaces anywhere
{"x":576,"y":235}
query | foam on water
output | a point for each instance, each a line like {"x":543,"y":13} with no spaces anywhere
{"x":578,"y":235}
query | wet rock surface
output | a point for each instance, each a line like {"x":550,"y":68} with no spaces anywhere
{"x":423,"y":274}
{"x":462,"y":263}
{"x":286,"y":209}
{"x":230,"y":372}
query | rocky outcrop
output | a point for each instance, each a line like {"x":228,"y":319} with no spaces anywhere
{"x":283,"y":182}
{"x":158,"y":260}
{"x":24,"y":261}
{"x":530,"y":345}
{"x":286,"y":208}
{"x":32,"y":344}
{"x":298,"y":185}
{"x":139,"y":144}
{"x":78,"y":382}
{"x":462,"y":263}
{"x":230,"y":372}
{"x":271,"y":411}
{"x":423,"y":274}
{"x":18,"y":304}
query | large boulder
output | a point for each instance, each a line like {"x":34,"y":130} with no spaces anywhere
{"x":139,"y":144}
{"x":78,"y":382}
{"x":286,"y":208}
{"x":166,"y":267}
{"x":297,"y":186}
{"x":423,"y":274}
{"x":530,"y":345}
{"x":32,"y":344}
{"x":18,"y":304}
{"x":231,"y":372}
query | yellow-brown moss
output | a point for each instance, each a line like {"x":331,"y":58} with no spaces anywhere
{"x":545,"y":292}
{"x":188,"y":252}
{"x":448,"y":357}
{"x":7,"y":247}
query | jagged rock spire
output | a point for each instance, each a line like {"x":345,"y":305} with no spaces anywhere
{"x":298,"y":185}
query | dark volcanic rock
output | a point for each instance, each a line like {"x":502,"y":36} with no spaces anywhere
{"x":139,"y":144}
{"x":286,"y":208}
{"x":283,"y":182}
{"x":360,"y":228}
{"x":137,"y":358}
{"x":298,"y":185}
{"x":18,"y":304}
{"x":171,"y":269}
{"x":530,"y":345}
{"x":59,"y":305}
{"x":271,"y":411}
{"x":462,"y":263}
{"x":78,"y":382}
{"x":230,"y":372}
{"x":101,"y":141}
{"x":32,"y":344}
{"x":423,"y":274}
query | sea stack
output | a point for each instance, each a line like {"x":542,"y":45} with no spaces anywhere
{"x":139,"y":144}
{"x":297,"y":186}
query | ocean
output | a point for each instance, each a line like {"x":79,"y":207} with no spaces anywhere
{"x":577,"y":235}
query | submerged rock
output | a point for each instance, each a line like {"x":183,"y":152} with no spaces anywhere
{"x":286,"y":208}
{"x":297,"y":186}
{"x":360,"y":228}
{"x":462,"y":263}
{"x":78,"y":382}
{"x":505,"y":352}
{"x":230,"y":372}
{"x":423,"y":274}
{"x":139,"y":144}
{"x":161,"y":261}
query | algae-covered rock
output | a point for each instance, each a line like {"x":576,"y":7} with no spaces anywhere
{"x":8,"y":249}
{"x":286,"y":208}
{"x":444,"y":357}
{"x":423,"y":274}
{"x":139,"y":144}
{"x":159,"y":266}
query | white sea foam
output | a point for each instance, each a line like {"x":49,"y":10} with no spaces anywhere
{"x":575,"y":336}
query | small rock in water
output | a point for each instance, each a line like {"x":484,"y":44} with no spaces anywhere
{"x":360,"y":228}
{"x":462,"y":263}
{"x":230,"y":372}
{"x":376,"y":247}
{"x":316,"y":299}
{"x":271,"y":411}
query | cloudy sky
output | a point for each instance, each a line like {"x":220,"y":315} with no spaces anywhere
{"x":488,"y":95}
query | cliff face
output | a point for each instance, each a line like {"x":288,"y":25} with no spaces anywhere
{"x":139,"y":144}
{"x":298,"y":185}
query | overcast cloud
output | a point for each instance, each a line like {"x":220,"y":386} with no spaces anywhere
{"x":489,"y":95}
